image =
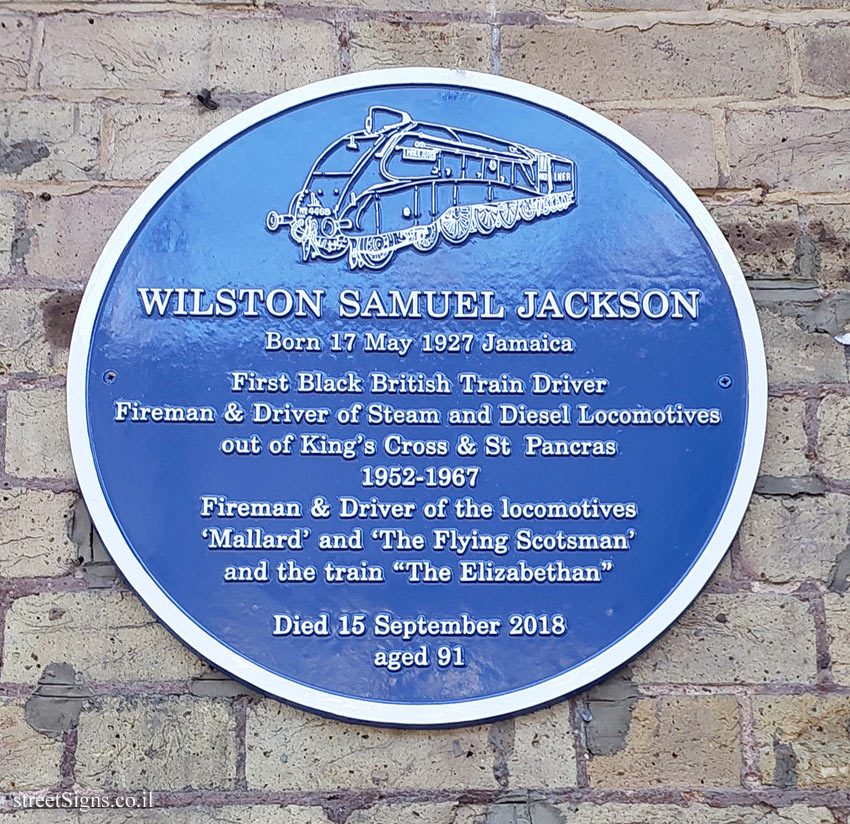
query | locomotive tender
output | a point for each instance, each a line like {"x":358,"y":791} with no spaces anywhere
{"x":400,"y":182}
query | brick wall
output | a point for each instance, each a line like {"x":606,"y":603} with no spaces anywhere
{"x":740,"y":714}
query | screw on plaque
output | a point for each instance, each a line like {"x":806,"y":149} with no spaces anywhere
{"x":110,"y":376}
{"x":724,"y":381}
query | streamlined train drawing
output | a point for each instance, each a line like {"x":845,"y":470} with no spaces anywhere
{"x":401,"y":182}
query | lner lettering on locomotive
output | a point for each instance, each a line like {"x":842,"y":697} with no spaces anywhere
{"x":402,"y":183}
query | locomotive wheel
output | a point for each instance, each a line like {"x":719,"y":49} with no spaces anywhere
{"x":485,"y":220}
{"x":456,"y":224}
{"x":508,"y":214}
{"x":376,"y":252}
{"x":377,"y":260}
{"x":425,"y":237}
{"x":527,"y":210}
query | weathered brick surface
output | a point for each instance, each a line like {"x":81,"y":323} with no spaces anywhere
{"x":833,"y":432}
{"x":543,"y":751}
{"x":627,"y":62}
{"x":377,"y":45}
{"x":693,"y":814}
{"x":30,"y":342}
{"x":7,"y":232}
{"x":166,"y":52}
{"x":34,"y":537}
{"x":287,"y":750}
{"x":802,"y":740}
{"x":37,"y":816}
{"x":427,"y":813}
{"x":786,"y":439}
{"x":547,"y":7}
{"x":684,"y":139}
{"x":813,"y":530}
{"x":37,"y":444}
{"x":797,"y":356}
{"x":837,"y":606}
{"x":124,"y":642}
{"x":16,"y":42}
{"x":735,"y":638}
{"x":802,"y":149}
{"x":774,"y":5}
{"x":763,"y":237}
{"x":825,"y":60}
{"x":66,"y":242}
{"x":675,"y":742}
{"x":202,"y":814}
{"x":28,"y":760}
{"x":160,"y":743}
{"x":639,"y":5}
{"x":270,"y":56}
{"x":829,"y":228}
{"x":141,"y":142}
{"x":49,"y":140}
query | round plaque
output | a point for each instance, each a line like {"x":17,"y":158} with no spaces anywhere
{"x":417,"y":397}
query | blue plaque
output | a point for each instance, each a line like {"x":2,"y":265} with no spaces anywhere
{"x":417,"y":397}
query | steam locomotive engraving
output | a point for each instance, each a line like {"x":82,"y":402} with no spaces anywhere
{"x":401,"y":183}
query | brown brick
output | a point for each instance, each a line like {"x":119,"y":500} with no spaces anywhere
{"x":793,"y":539}
{"x":169,"y":743}
{"x":735,"y":638}
{"x":837,"y":606}
{"x":378,"y":45}
{"x":543,"y":754}
{"x":271,"y":55}
{"x":48,"y":140}
{"x":675,"y":742}
{"x":833,"y":432}
{"x":693,"y":814}
{"x":825,"y":60}
{"x":829,"y":228}
{"x":796,"y":356}
{"x":684,"y":139}
{"x":71,"y":230}
{"x":123,"y":641}
{"x":763,"y":237}
{"x":138,"y":51}
{"x":34,"y":332}
{"x":16,"y":35}
{"x":803,"y":149}
{"x":28,"y":759}
{"x":663,"y":61}
{"x":142,"y":141}
{"x":34,"y":536}
{"x":289,"y":750}
{"x":803,"y":741}
{"x":37,"y":444}
{"x":785,"y":442}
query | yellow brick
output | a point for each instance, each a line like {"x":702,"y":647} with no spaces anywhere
{"x":675,"y":742}
{"x":288,"y":750}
